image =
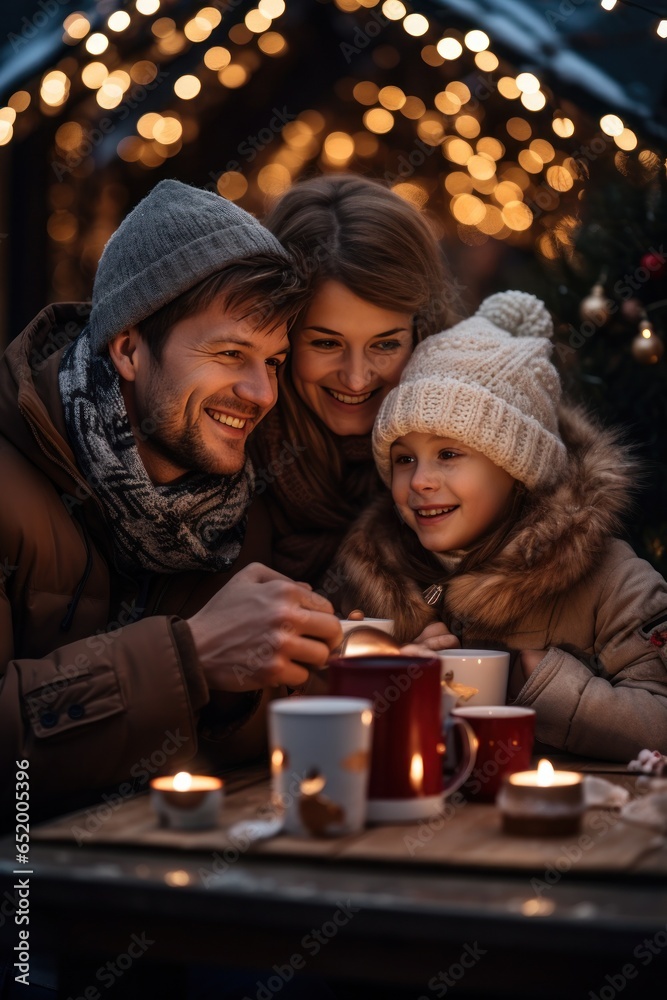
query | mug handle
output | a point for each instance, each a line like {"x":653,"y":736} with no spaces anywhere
{"x":468,"y":757}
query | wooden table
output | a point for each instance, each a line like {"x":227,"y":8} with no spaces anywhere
{"x":447,"y":901}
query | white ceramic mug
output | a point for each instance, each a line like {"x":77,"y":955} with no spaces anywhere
{"x":320,"y":763}
{"x":484,"y":669}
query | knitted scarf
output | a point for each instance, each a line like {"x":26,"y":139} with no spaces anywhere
{"x":196,"y":524}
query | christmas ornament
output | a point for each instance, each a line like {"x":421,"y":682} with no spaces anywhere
{"x":647,"y":347}
{"x":632,"y":310}
{"x":596,"y":307}
{"x":655,"y":263}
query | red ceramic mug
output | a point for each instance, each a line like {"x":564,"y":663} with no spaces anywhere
{"x":408,"y":744}
{"x":505,"y":736}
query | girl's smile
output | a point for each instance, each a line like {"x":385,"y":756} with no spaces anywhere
{"x":449,"y":494}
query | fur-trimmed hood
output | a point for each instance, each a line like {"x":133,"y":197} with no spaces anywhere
{"x":561,"y":536}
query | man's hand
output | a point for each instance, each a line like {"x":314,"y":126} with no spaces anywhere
{"x":262,"y":629}
{"x":524,"y":665}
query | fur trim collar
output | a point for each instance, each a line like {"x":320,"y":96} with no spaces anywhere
{"x":561,"y":536}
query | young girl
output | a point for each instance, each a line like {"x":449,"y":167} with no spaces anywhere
{"x":380,"y":287}
{"x":504,"y":503}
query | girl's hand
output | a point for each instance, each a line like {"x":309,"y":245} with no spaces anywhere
{"x":524,"y":665}
{"x":437,"y":636}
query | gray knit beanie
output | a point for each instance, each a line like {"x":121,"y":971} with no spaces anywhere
{"x":174,"y":238}
{"x":487,"y":382}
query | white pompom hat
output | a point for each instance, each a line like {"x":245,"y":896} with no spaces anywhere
{"x":487,"y":382}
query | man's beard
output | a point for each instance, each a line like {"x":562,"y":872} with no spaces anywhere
{"x":178,"y":439}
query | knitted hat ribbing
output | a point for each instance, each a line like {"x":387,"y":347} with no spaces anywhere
{"x":175,"y":237}
{"x":478,"y":384}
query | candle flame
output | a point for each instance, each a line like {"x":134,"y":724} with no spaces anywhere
{"x":313,"y":784}
{"x":182,"y":781}
{"x":417,"y":771}
{"x":545,"y":773}
{"x":366,"y":717}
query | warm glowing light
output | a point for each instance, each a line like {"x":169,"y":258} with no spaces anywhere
{"x":417,"y":771}
{"x":187,"y":87}
{"x":274,"y":179}
{"x":210,"y":14}
{"x":163,"y":27}
{"x":467,"y":126}
{"x":182,"y":780}
{"x":119,"y":20}
{"x":55,"y":88}
{"x":611,"y":125}
{"x":19,"y":101}
{"x":366,"y":717}
{"x":461,"y":90}
{"x":449,"y":48}
{"x":431,"y":130}
{"x":457,"y":150}
{"x":6,"y":132}
{"x":564,"y":127}
{"x":545,"y":773}
{"x":314,"y":785}
{"x":233,"y":76}
{"x":129,"y":148}
{"x":217,"y":58}
{"x":507,"y":88}
{"x":647,"y":333}
{"x":492,"y":224}
{"x":277,"y":758}
{"x":661,"y":30}
{"x":272,"y":43}
{"x":527,"y":83}
{"x":272,"y":8}
{"x":608,"y":4}
{"x":543,"y":149}
{"x":338,"y":148}
{"x":413,"y":108}
{"x":519,"y":129}
{"x":392,"y":98}
{"x":559,"y":178}
{"x":197,"y":29}
{"x":147,"y":123}
{"x":143,"y":72}
{"x":517,"y":216}
{"x":366,"y":92}
{"x":416,"y":25}
{"x":481,"y":168}
{"x":507,"y":191}
{"x":110,"y":94}
{"x":232,"y":185}
{"x":167,"y":130}
{"x":467,"y":209}
{"x":97,"y":43}
{"x":257,"y":22}
{"x":458,"y":183}
{"x":76,"y":25}
{"x":626,"y":140}
{"x":533,"y":102}
{"x":447,"y":102}
{"x":394,"y":10}
{"x":530,"y":161}
{"x":477,"y":41}
{"x":177,"y":878}
{"x":8,"y":115}
{"x":147,"y":6}
{"x":491,"y":147}
{"x":486,"y":61}
{"x":378,"y":120}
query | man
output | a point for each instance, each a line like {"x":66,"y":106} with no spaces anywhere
{"x":126,"y":491}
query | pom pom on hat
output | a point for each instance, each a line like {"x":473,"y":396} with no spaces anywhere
{"x":519,"y":313}
{"x":488,"y":382}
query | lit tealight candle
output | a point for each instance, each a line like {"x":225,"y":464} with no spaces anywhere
{"x":542,"y":802}
{"x":187,"y":801}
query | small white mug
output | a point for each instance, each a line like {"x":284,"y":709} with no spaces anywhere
{"x":487,"y":670}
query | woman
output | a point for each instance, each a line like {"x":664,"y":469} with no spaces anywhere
{"x":380,"y":286}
